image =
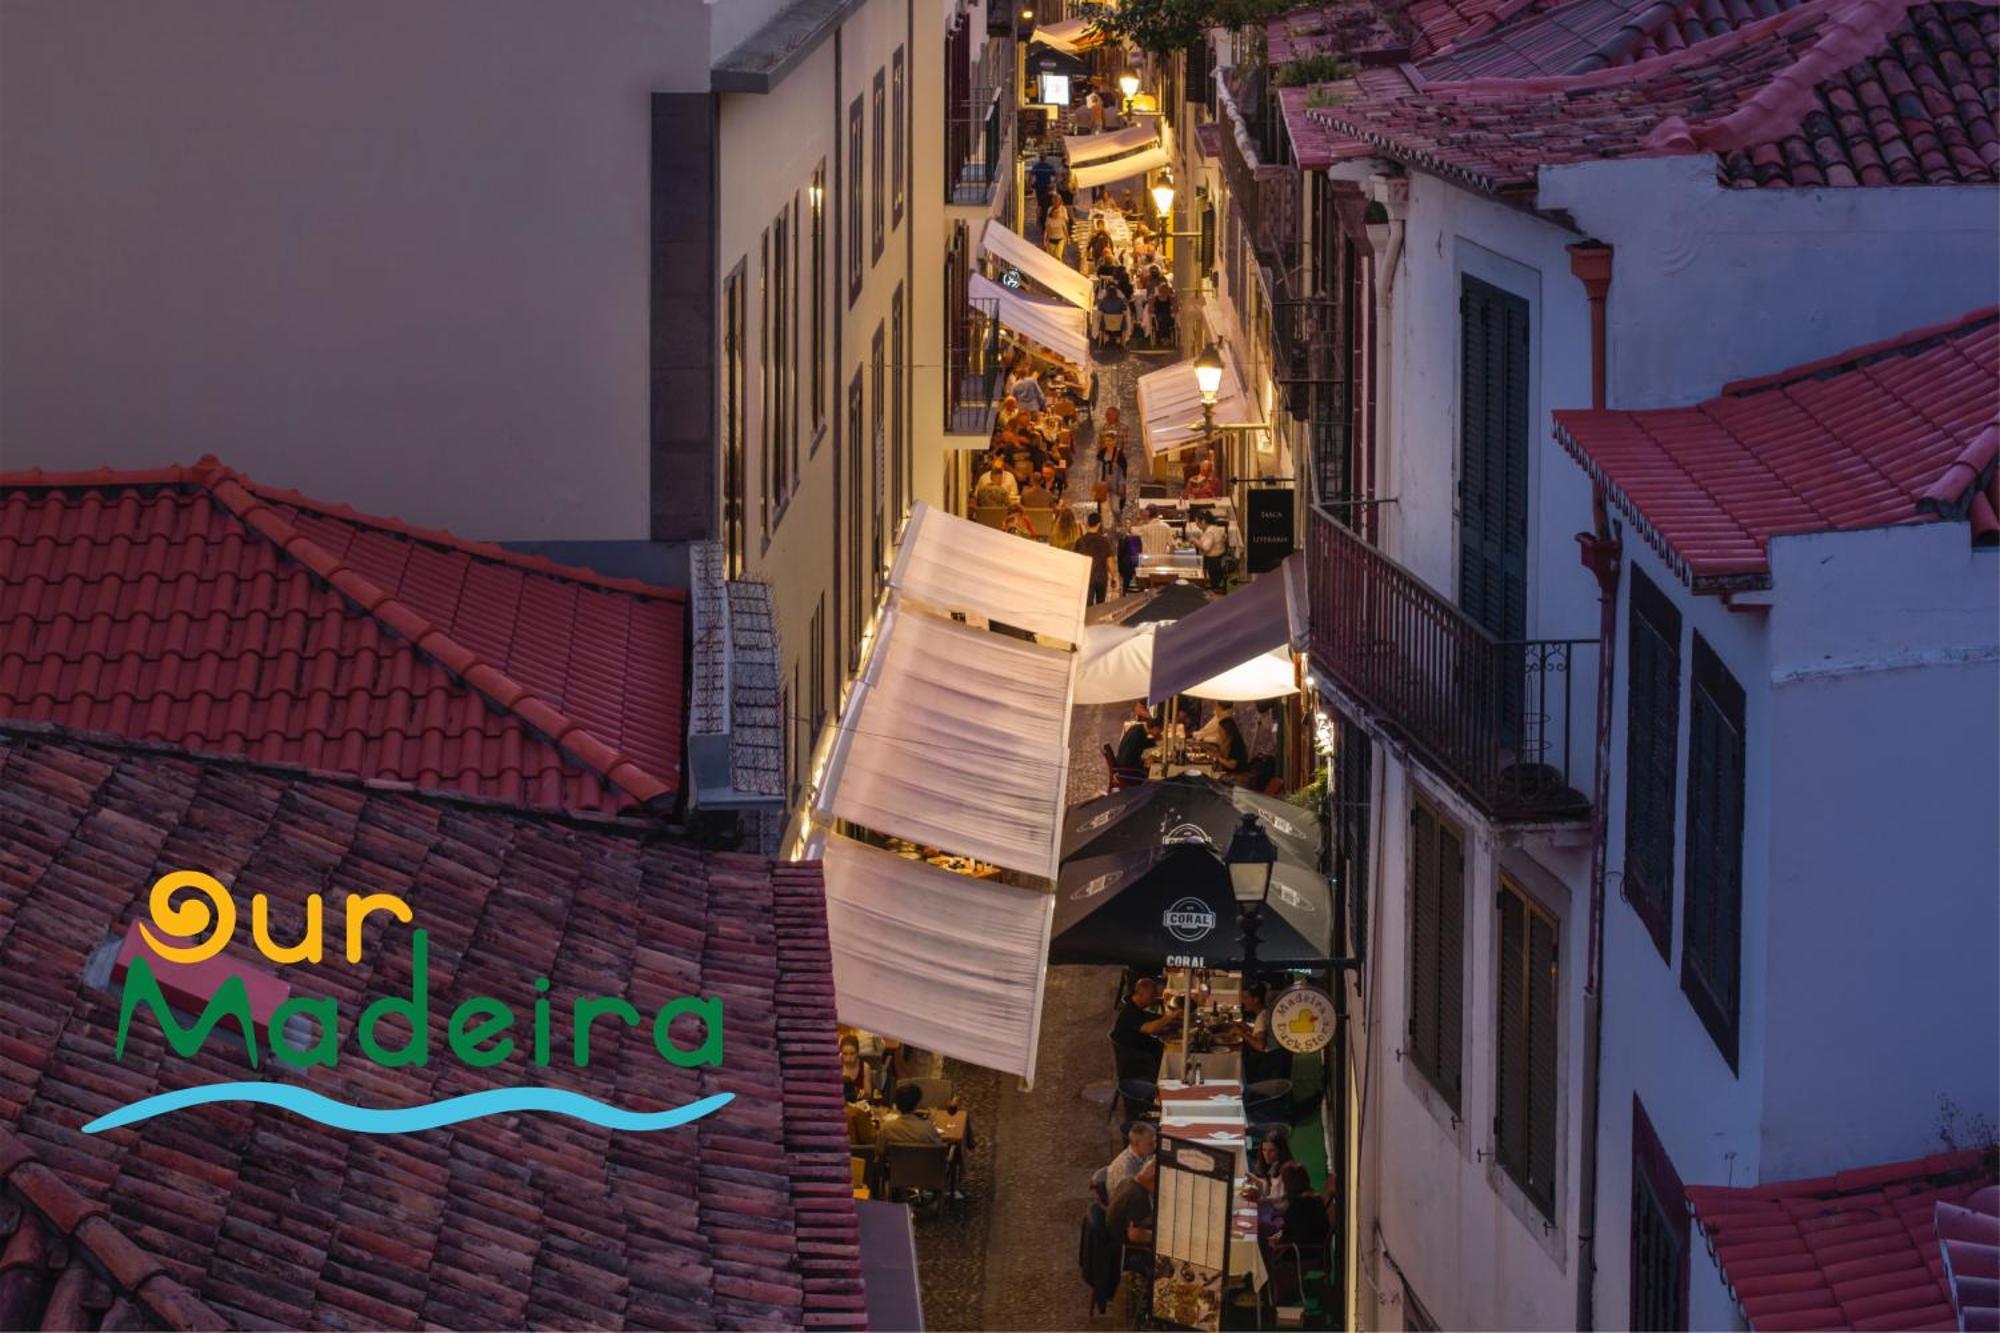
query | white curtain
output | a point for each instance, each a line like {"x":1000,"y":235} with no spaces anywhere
{"x":940,"y":960}
{"x":1119,"y":168}
{"x":1084,"y":148}
{"x":1056,"y":325}
{"x":958,"y":738}
{"x":1017,"y":251}
{"x":954,"y":564}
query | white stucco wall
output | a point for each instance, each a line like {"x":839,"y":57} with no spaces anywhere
{"x":1715,"y":284}
{"x":387,"y":253}
{"x":1886,"y":712}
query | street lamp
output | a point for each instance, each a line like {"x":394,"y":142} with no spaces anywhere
{"x":1163,"y":196}
{"x":1128,"y":84}
{"x":1250,"y":859}
{"x":1208,"y":379}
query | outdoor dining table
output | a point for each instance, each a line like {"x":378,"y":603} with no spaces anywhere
{"x":1211,"y":1114}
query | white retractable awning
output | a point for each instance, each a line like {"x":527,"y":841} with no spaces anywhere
{"x":1119,"y":168}
{"x":939,"y":960}
{"x":954,"y":564}
{"x":1072,"y":36}
{"x":1170,"y":406}
{"x":1269,"y":616}
{"x":1055,"y":325}
{"x":1084,"y":148}
{"x":957,"y":738}
{"x":1010,"y":247}
{"x":1115,"y":664}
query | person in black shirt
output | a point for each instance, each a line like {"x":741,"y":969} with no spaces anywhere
{"x":1143,"y":732}
{"x":1136,"y":1033}
{"x":1130,"y":1216}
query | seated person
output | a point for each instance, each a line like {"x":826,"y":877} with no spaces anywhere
{"x":1130,"y":1216}
{"x":1141,"y":1138}
{"x":1304,"y":1222}
{"x":1142,"y":735}
{"x":1017,"y":523}
{"x":906,"y":1126}
{"x":1204,"y":484}
{"x":1037,"y":495}
{"x":1266,"y":1174}
{"x":1221,"y":734}
{"x":857,"y":1080}
{"x":997,"y":489}
{"x":1136,"y":1034}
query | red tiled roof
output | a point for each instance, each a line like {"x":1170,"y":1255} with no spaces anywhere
{"x":1969,"y":1238}
{"x":261,"y":1218}
{"x":1314,"y":146}
{"x":1443,"y":25}
{"x":194,"y":606}
{"x":1358,"y":30}
{"x":1595,"y":34}
{"x":1832,"y":92}
{"x":1896,"y":432}
{"x":1857,"y":1250}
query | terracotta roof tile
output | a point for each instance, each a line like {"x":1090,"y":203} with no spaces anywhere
{"x":238,"y":1215}
{"x":1855,"y":1251}
{"x":196,"y":607}
{"x":1824,"y":92}
{"x":1896,"y":432}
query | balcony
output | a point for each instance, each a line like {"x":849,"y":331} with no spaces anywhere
{"x":972,"y":369}
{"x":1508,"y":724}
{"x":1264,"y":193}
{"x":975,"y":148}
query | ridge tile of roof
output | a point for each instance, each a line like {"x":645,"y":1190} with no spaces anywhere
{"x":1898,"y":431}
{"x":193,"y":606}
{"x":243,"y":1215}
{"x":1826,"y":93}
{"x":1586,"y":35}
{"x":1860,"y":1249}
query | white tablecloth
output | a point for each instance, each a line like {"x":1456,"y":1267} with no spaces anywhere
{"x":1212,"y":1115}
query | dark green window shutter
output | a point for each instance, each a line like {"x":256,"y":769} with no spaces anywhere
{"x":1423,"y":941}
{"x":1526,"y":1090}
{"x":1451,"y":960}
{"x":1712,"y":946}
{"x":1510,"y":1087}
{"x":1494,"y":395}
{"x":1652,"y":734}
{"x":1542,"y":999}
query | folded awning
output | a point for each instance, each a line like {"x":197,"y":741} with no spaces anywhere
{"x":1170,"y":406}
{"x":1072,"y":36}
{"x":957,"y":738}
{"x":1115,"y":664}
{"x":954,"y":564}
{"x":1267,"y":616}
{"x":936,"y":959}
{"x":1015,"y":250}
{"x":1085,"y":148}
{"x":1119,"y":168}
{"x":1055,"y":325}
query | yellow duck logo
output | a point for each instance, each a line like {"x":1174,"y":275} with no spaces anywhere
{"x":1305,"y":1023}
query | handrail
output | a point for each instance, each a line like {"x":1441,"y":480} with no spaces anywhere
{"x":1496,"y":718}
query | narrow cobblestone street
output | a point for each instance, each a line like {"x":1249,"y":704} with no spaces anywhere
{"x":1005,"y":1256}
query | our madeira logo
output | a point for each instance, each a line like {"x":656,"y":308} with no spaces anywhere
{"x":480,"y":1032}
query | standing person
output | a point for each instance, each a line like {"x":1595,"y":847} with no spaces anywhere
{"x":1128,"y":560}
{"x":1042,"y":178}
{"x":1093,"y":110}
{"x":1027,"y":390}
{"x":1055,"y":228}
{"x":1098,"y":547}
{"x":1068,"y":532}
{"x":1156,"y":536}
{"x":1214,"y":547}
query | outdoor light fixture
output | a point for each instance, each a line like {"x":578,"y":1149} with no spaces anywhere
{"x":1163,"y":196}
{"x":1128,"y":83}
{"x":816,"y":190}
{"x":1250,"y":858}
{"x":1027,"y":16}
{"x":1208,"y":378}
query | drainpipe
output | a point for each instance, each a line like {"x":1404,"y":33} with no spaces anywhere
{"x":1386,"y":240}
{"x":1590,"y":262}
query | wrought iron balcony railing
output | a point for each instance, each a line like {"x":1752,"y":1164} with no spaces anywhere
{"x":974,"y":147}
{"x":1503,"y":722}
{"x":972,"y":368}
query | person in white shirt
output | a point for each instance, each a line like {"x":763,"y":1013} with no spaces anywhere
{"x":1155,"y":536}
{"x":1213,"y":543}
{"x":1140,"y":1140}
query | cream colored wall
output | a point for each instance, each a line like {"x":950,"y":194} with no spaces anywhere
{"x":769,"y":146}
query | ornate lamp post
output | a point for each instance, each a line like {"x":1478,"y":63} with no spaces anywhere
{"x":1250,"y":858}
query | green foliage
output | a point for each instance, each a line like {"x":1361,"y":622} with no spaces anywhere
{"x":1163,"y":27}
{"x":1324,"y":67}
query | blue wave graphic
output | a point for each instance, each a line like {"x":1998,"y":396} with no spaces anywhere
{"x":410,"y":1119}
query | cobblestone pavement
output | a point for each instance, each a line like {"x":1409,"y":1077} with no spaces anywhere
{"x":1005,"y":1256}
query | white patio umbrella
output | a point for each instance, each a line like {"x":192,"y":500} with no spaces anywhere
{"x":1115,"y":664}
